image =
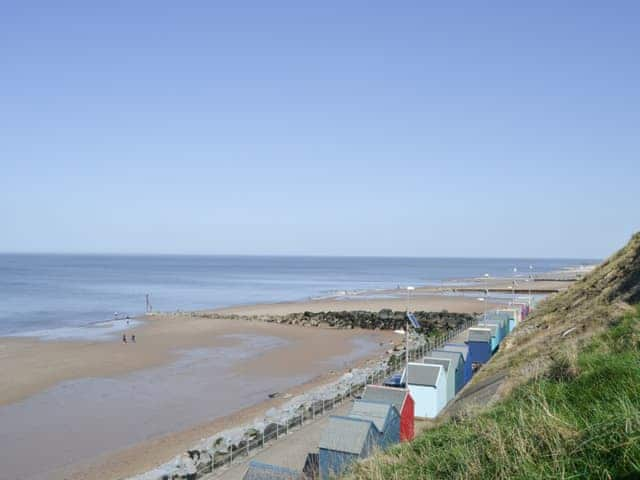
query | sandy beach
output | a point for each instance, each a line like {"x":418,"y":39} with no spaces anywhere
{"x":185,"y":378}
{"x":170,"y":381}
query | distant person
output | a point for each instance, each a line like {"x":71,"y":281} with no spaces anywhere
{"x":133,"y":337}
{"x":124,"y":338}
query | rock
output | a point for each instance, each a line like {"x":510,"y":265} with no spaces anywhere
{"x":270,"y":429}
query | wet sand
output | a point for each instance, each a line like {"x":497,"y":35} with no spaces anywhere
{"x":224,"y":367}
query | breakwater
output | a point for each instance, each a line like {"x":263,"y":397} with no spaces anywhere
{"x":385,"y":319}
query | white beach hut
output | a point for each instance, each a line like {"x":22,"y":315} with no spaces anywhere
{"x":449,"y":372}
{"x":427,"y":386}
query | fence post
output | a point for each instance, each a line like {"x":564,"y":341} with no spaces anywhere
{"x":277,"y":428}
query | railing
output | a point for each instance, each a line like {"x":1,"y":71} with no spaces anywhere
{"x":316,"y":410}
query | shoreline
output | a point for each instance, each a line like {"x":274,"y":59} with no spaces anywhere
{"x":108,"y":329}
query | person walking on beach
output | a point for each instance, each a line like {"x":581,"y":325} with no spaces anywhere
{"x":133,"y":338}
{"x":124,"y":338}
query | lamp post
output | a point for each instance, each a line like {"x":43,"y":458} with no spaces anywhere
{"x":406,"y":334}
{"x":486,"y":295}
{"x":515,"y":270}
{"x":530,"y":280}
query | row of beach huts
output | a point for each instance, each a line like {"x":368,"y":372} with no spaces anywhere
{"x":385,"y":415}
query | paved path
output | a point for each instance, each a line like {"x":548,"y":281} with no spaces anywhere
{"x":289,"y":451}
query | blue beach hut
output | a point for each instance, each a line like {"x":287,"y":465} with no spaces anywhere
{"x":479,"y":341}
{"x":345,"y":440}
{"x":383,"y":415}
{"x":464,"y":350}
{"x":512,"y":317}
{"x":495,"y":343}
{"x":501,"y":330}
{"x":457,"y":362}
{"x":505,"y":320}
{"x":427,"y":385}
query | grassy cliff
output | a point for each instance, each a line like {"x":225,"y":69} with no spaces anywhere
{"x":560,"y":400}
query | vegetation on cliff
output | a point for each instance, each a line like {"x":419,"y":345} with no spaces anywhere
{"x":567,"y":402}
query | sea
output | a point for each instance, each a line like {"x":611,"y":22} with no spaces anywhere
{"x":83,"y":296}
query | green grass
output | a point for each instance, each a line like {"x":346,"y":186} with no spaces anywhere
{"x":581,"y":420}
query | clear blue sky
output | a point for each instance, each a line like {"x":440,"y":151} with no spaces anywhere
{"x":350,"y":128}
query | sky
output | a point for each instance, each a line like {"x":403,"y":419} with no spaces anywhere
{"x":404,"y":128}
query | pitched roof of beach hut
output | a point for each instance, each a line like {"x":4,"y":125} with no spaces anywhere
{"x":445,"y":362}
{"x":456,"y":357}
{"x":495,"y":320}
{"x":424,"y":375}
{"x":346,"y":434}
{"x":479,"y":334}
{"x":492,"y":327}
{"x":403,"y":402}
{"x":454,"y":347}
{"x":515,"y":312}
{"x":264,"y":471}
{"x":450,"y":368}
{"x":393,"y":396}
{"x":377,"y":412}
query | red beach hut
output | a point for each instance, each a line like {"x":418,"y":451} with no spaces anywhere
{"x":399,"y":398}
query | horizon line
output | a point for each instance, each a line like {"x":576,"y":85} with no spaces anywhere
{"x":284,"y":255}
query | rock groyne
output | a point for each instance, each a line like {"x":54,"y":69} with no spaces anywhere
{"x":385,"y":319}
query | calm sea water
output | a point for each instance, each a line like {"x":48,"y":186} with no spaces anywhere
{"x":61,"y":293}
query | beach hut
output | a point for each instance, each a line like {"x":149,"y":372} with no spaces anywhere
{"x":494,"y":335}
{"x":399,"y":398}
{"x":501,"y":330}
{"x":463,"y":348}
{"x":505,"y":318}
{"x":479,"y":341}
{"x":524,"y":309}
{"x":457,"y":362}
{"x":384,"y":416}
{"x":449,"y":372}
{"x":511,"y":316}
{"x":264,"y":471}
{"x":345,"y":440}
{"x":427,"y":384}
